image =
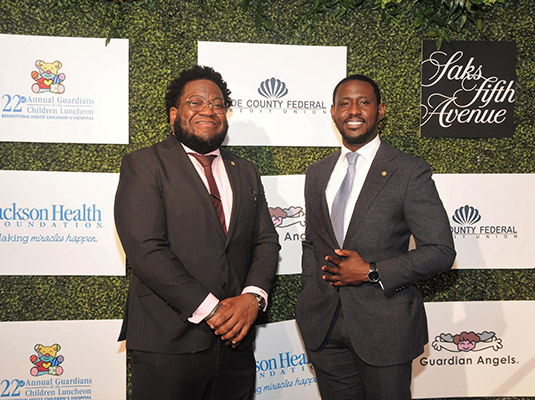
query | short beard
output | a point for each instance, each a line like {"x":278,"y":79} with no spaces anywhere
{"x":362,"y":139}
{"x":196,"y":143}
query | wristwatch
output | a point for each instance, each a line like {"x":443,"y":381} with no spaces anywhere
{"x":260,"y":299}
{"x":373,"y":275}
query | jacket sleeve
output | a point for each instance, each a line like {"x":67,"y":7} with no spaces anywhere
{"x":140,"y":218}
{"x":428,"y":222}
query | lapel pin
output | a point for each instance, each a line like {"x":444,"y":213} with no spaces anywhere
{"x":232,"y":163}
{"x":384,"y":173}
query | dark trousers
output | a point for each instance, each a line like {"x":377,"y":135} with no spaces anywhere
{"x":219,"y":373}
{"x":342,"y":375}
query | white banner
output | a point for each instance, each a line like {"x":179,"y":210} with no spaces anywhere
{"x":59,"y":223}
{"x":285,"y":197}
{"x":63,"y":90}
{"x":282,"y":367}
{"x":492,"y":217}
{"x":477,"y":349}
{"x":282,"y":94}
{"x":62,"y":360}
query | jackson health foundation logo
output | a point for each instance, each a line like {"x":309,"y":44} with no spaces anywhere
{"x":467,"y":221}
{"x":275,"y":95}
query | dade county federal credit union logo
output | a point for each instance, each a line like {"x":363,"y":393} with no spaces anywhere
{"x":466,"y":223}
{"x":48,"y":78}
{"x":274,"y":92}
{"x":466,"y":343}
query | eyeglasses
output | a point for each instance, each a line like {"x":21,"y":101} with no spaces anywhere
{"x":198,"y":103}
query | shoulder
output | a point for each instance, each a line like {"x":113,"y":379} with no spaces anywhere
{"x":403,"y":159}
{"x":147,"y":155}
{"x":230,"y":157}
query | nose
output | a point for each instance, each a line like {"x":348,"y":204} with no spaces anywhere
{"x":207,"y":109}
{"x":354,"y":108}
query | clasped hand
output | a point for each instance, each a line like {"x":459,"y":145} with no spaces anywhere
{"x":234,"y":318}
{"x":349,"y":270}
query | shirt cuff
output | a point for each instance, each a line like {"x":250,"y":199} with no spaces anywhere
{"x":259,"y":291}
{"x":204,"y":309}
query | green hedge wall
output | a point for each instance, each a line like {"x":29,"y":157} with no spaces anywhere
{"x":163,"y":39}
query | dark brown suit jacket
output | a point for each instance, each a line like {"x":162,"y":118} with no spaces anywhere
{"x":176,"y":247}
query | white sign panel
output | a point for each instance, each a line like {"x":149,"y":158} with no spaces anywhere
{"x":492,"y":218}
{"x":282,"y":94}
{"x":477,"y":349}
{"x":63,"y":90}
{"x":62,"y":360}
{"x":286,"y":201}
{"x":59,"y":223}
{"x":283,"y":370}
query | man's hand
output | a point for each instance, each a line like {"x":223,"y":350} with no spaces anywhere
{"x":234,"y":318}
{"x":351,"y":270}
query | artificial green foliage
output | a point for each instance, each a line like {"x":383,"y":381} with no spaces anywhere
{"x":163,"y":37}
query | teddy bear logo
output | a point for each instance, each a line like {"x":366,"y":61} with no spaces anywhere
{"x":47,"y":360}
{"x":47,"y":78}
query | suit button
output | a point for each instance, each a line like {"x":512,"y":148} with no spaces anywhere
{"x":227,"y":250}
{"x":224,"y":285}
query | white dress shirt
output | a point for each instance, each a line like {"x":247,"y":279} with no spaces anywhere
{"x":364,"y":161}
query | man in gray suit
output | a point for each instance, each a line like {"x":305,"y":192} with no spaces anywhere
{"x":193,"y":221}
{"x":360,"y":314}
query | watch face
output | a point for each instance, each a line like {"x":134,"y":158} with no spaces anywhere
{"x":373,"y":276}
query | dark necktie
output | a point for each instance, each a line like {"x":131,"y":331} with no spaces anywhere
{"x":206,"y":162}
{"x":340,"y":201}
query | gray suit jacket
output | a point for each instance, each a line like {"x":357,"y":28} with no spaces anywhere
{"x":398,"y":199}
{"x":176,"y":247}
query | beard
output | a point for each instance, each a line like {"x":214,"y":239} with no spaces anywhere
{"x":366,"y":137}
{"x":200,"y":145}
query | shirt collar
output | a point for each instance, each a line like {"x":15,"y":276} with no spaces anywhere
{"x":368,"y":151}
{"x":216,"y":152}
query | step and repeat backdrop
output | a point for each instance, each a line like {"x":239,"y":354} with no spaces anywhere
{"x":61,"y":223}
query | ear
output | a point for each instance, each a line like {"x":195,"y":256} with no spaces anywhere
{"x":173,"y":111}
{"x":56,"y":347}
{"x":332,"y":112}
{"x":382,"y":109}
{"x":57,"y":64}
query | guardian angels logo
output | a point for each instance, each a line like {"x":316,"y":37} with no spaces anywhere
{"x":467,"y":341}
{"x":464,"y":344}
{"x":286,"y":217}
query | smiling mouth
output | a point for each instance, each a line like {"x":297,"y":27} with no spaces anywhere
{"x":354,"y":124}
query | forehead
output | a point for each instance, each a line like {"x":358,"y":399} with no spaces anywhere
{"x":355,"y":88}
{"x":203,"y":87}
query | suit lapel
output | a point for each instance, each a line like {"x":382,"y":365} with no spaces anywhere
{"x":380,"y":172}
{"x":323,"y":180}
{"x":177,"y":156}
{"x":233,"y":173}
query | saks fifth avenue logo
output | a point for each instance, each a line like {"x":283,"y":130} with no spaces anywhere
{"x":467,"y":91}
{"x":274,"y":92}
{"x":467,"y":343}
{"x":465,"y":224}
{"x":287,"y":217}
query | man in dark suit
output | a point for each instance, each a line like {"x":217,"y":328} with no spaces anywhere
{"x":360,"y":315}
{"x":196,"y":230}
